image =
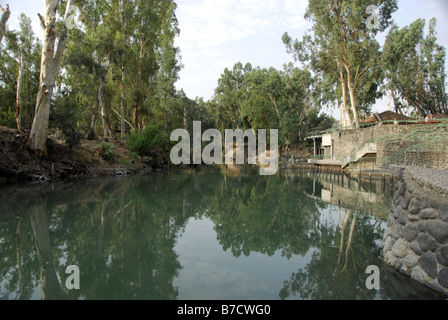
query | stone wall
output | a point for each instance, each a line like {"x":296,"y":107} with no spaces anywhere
{"x":391,"y":146}
{"x":416,"y":239}
{"x":428,"y":159}
{"x":346,"y":140}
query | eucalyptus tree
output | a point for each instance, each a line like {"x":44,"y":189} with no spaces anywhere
{"x":229,"y":97}
{"x":415,"y":67}
{"x":153,"y":60}
{"x":25,"y":46}
{"x":342,"y":46}
{"x":20,"y":68}
{"x":168,"y":56}
{"x":5,"y":14}
{"x":50,"y":66}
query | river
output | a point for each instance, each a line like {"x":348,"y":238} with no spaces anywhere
{"x":211,"y":233}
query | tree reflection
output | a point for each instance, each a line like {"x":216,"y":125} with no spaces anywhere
{"x":122,"y":234}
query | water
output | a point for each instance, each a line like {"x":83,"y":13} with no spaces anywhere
{"x":205,"y":234}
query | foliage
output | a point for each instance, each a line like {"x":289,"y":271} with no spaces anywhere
{"x":343,"y":52}
{"x":415,"y":68}
{"x":64,"y":117}
{"x":261,"y":98}
{"x":152,"y":141}
{"x":107,"y":151}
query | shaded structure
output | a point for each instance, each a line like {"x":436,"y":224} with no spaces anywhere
{"x":385,"y":116}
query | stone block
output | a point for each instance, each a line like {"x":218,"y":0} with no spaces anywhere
{"x":426,"y":242}
{"x":411,"y":260}
{"x":410,"y":232}
{"x":442,"y":256}
{"x":403,"y":217}
{"x":443,"y":277}
{"x":416,"y":248}
{"x":388,"y":243}
{"x":434,"y":203}
{"x":414,"y":206}
{"x":419,"y":275}
{"x":404,"y":203}
{"x":428,"y":213}
{"x":390,"y":259}
{"x":438,"y":229}
{"x":443,"y":212}
{"x":424,"y":202}
{"x":428,"y":263}
{"x":400,"y":248}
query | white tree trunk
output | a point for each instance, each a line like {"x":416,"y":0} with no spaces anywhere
{"x":5,"y":14}
{"x":19,"y":90}
{"x":102,"y":104}
{"x":50,"y":66}
{"x":351,"y":89}
{"x":345,"y":107}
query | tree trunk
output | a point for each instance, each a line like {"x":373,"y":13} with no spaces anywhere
{"x":123,"y":68}
{"x":139,"y":81}
{"x":345,"y":106}
{"x":351,"y":89}
{"x":5,"y":14}
{"x":50,"y":66}
{"x":102,"y":105}
{"x":94,"y":123}
{"x":19,"y":90}
{"x":123,"y":123}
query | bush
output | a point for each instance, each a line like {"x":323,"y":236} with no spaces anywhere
{"x":153,"y":142}
{"x":8,"y":118}
{"x":65,"y":118}
{"x":107,"y":151}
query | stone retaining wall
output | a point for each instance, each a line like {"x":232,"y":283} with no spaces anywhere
{"x":416,"y":239}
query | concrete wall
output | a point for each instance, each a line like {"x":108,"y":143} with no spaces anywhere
{"x":416,"y":239}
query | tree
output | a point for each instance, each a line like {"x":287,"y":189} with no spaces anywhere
{"x":343,"y":46}
{"x":415,"y":68}
{"x":50,"y":67}
{"x":19,"y":75}
{"x":229,"y":95}
{"x":25,"y":48}
{"x":4,"y":17}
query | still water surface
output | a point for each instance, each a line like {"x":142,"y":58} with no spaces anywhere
{"x":206,"y":234}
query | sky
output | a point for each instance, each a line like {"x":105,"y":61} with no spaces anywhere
{"x":216,"y":34}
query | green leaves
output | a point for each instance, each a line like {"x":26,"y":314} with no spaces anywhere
{"x":415,"y":68}
{"x":257,"y":98}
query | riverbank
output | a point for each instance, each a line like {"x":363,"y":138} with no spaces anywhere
{"x":92,"y":159}
{"x":18,"y":164}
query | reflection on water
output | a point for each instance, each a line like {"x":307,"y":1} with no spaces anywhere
{"x":206,"y":234}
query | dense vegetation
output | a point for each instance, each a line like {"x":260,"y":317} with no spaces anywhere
{"x":114,"y":74}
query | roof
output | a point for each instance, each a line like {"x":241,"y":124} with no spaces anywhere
{"x":385,"y":116}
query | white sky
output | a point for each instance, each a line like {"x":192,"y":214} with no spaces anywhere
{"x":216,"y":34}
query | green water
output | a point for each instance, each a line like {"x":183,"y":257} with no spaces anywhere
{"x":206,"y":234}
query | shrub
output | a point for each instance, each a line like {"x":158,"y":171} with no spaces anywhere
{"x":107,"y":151}
{"x":153,"y":142}
{"x":65,"y":118}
